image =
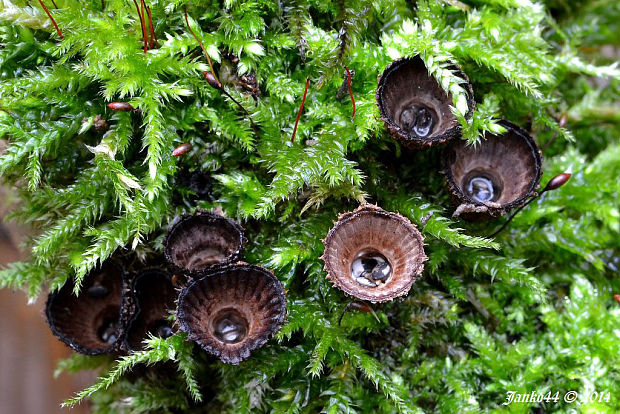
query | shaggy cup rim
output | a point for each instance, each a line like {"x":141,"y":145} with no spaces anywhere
{"x":126,"y":311}
{"x":137,"y":306}
{"x":412,"y":267}
{"x":407,"y":139}
{"x":491,"y":209}
{"x":257,"y":338}
{"x":204,"y":215}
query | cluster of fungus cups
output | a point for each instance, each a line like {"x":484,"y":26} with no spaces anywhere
{"x":373,"y":254}
{"x":231,"y":308}
{"x":498,"y":174}
{"x":115,"y":310}
{"x":94,"y":322}
{"x":228,"y":307}
{"x":376,"y":255}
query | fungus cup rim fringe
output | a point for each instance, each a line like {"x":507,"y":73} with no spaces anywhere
{"x":390,"y":291}
{"x":396,"y":131}
{"x":476,"y":210}
{"x":254,"y":340}
{"x":126,"y":313}
{"x":212,"y":217}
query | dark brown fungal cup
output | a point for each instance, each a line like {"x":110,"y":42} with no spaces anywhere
{"x":498,"y":174}
{"x":95,"y":321}
{"x":415,"y":108}
{"x":155,"y":298}
{"x":232,"y":311}
{"x":202,"y":241}
{"x":373,"y":254}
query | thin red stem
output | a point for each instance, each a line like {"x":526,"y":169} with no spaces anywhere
{"x":102,"y":5}
{"x":153,"y":38}
{"x":141,"y":24}
{"x":52,"y":19}
{"x":201,"y":45}
{"x":144,"y":30}
{"x":301,"y":108}
{"x":350,"y":91}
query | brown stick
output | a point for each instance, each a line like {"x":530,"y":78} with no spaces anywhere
{"x":237,"y":102}
{"x":556,"y":182}
{"x":360,"y":306}
{"x":240,"y":106}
